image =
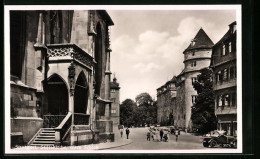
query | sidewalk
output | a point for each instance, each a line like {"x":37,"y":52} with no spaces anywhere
{"x":100,"y":146}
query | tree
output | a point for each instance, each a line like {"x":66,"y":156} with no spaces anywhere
{"x":146,"y":112}
{"x":203,"y":116}
{"x":126,"y":112}
{"x":143,"y":99}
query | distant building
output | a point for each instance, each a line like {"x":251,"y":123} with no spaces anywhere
{"x":223,"y":63}
{"x":60,"y":77}
{"x":196,"y":57}
{"x":166,"y":96}
{"x":114,"y":97}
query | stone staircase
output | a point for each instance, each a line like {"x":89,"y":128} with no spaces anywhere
{"x":44,"y":137}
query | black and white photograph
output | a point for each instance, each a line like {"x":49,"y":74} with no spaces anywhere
{"x":123,"y":79}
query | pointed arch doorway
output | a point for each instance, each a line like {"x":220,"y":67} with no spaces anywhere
{"x":81,"y":94}
{"x":57,"y":96}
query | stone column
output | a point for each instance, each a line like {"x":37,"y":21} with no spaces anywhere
{"x":107,"y":85}
{"x":92,"y":101}
{"x":71,"y":78}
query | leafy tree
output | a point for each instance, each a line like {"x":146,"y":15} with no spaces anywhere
{"x":126,"y":112}
{"x":203,"y":116}
{"x":146,"y":110}
{"x":144,"y":99}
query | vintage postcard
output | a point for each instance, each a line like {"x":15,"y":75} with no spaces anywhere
{"x":123,"y":79}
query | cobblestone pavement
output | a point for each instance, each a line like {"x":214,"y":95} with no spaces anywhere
{"x":139,"y":142}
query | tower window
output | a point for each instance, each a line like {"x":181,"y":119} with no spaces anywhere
{"x":193,"y":98}
{"x":193,"y":79}
{"x":193,"y":64}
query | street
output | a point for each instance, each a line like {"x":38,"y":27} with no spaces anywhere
{"x":138,"y":136}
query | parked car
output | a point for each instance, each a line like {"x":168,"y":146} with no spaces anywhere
{"x":218,"y":138}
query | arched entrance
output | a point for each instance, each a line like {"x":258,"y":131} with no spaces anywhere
{"x":81,"y":94}
{"x":57,"y":96}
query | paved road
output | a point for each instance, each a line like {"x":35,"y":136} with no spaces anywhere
{"x":138,"y":136}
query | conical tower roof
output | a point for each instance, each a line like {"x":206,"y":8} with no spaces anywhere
{"x":201,"y":41}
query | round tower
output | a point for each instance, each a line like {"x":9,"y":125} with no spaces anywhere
{"x":196,"y":57}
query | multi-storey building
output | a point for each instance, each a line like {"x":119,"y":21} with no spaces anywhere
{"x":60,"y":76}
{"x":196,"y":57}
{"x":223,"y":63}
{"x":166,"y":96}
{"x":114,"y":97}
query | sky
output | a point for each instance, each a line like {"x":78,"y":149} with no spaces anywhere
{"x":147,"y":46}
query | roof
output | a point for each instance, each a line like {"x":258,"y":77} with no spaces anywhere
{"x":114,"y":85}
{"x":106,"y":16}
{"x":173,"y":80}
{"x":201,"y":40}
{"x":227,"y":35}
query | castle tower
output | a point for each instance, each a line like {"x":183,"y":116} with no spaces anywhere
{"x":196,"y":57}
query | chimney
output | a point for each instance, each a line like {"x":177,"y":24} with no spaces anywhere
{"x":233,"y":27}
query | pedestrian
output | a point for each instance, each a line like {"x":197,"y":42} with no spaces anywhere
{"x":148,"y":135}
{"x":127,"y":131}
{"x":121,"y":129}
{"x":157,"y":135}
{"x":161,"y":134}
{"x":176,"y":134}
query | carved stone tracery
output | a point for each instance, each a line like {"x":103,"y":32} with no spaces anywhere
{"x":62,"y":51}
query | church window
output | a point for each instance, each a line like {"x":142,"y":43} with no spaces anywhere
{"x":193,"y":53}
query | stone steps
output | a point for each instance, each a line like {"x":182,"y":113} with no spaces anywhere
{"x":46,"y":138}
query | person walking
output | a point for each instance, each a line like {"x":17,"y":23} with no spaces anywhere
{"x":121,"y":129}
{"x":127,"y":131}
{"x":176,"y":134}
{"x":148,"y":135}
{"x":161,"y":134}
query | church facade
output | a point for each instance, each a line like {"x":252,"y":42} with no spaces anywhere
{"x":60,"y":77}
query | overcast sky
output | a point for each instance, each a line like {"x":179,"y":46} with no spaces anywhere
{"x":147,"y":46}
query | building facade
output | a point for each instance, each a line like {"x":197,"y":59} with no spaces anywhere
{"x":166,"y":98}
{"x":60,"y":76}
{"x":223,"y":64}
{"x":196,"y":57}
{"x":115,"y":107}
